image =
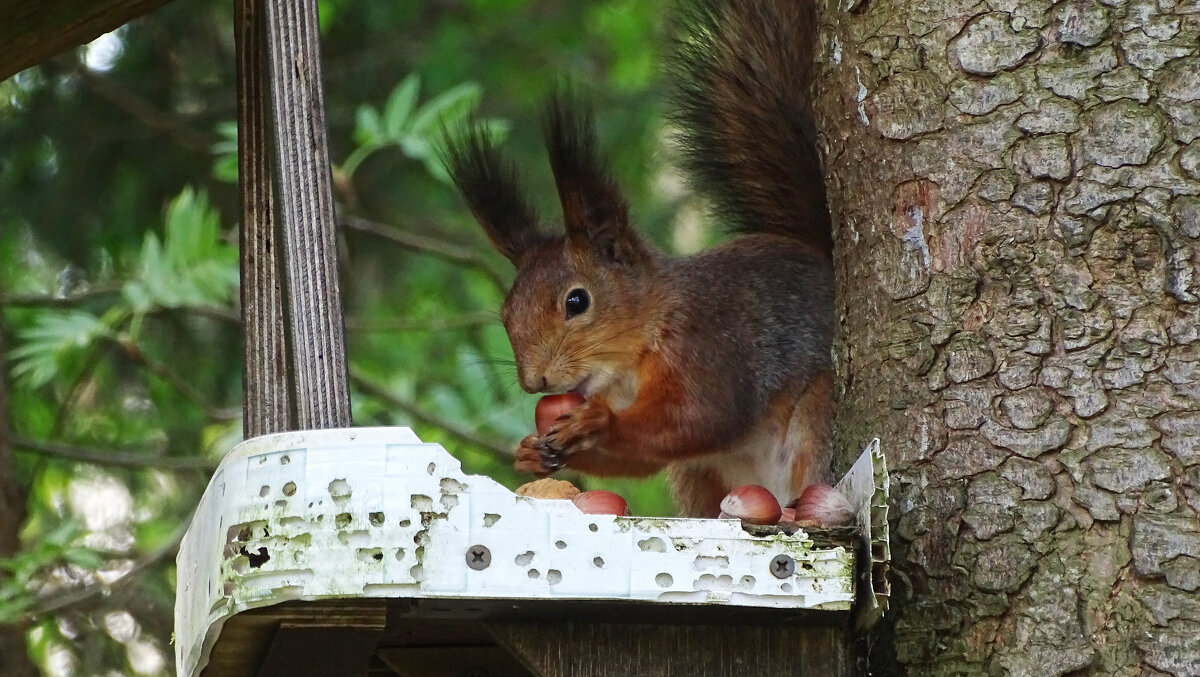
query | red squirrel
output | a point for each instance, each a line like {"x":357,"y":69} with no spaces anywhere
{"x":715,"y":366}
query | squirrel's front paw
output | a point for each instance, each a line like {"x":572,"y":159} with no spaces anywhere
{"x":580,"y":430}
{"x":532,"y":457}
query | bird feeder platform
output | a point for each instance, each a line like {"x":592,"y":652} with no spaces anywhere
{"x":379,"y":548}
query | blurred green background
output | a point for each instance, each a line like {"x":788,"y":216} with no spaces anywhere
{"x":118,"y":272}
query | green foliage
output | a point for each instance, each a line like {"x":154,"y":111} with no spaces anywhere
{"x":54,"y":341}
{"x":631,"y":37}
{"x":416,"y":131}
{"x":190,"y":265}
{"x":56,"y":548}
{"x":328,"y":11}
{"x":225,"y":166}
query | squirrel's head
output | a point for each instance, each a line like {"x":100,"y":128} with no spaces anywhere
{"x":577,"y":311}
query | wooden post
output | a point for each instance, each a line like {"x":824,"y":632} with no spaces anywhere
{"x":305,"y":200}
{"x":266,"y":403}
{"x":287,"y":210}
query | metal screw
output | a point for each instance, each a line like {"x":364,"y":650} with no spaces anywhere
{"x":782,"y":566}
{"x":478,"y":557}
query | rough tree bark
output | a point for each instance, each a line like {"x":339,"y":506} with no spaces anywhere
{"x":1015,"y":185}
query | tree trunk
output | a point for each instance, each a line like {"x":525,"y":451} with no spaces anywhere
{"x":1015,"y":199}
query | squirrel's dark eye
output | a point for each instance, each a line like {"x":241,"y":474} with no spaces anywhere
{"x":577,"y":302}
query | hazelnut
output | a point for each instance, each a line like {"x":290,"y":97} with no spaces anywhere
{"x":751,"y":503}
{"x":550,"y":407}
{"x":600,"y":502}
{"x":548,"y":487}
{"x":824,"y":505}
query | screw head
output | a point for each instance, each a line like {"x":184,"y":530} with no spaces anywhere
{"x":782,"y":566}
{"x":478,"y":557}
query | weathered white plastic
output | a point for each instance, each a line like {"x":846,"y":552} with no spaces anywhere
{"x":866,"y":486}
{"x":374,"y":512}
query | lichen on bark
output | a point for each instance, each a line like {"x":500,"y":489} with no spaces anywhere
{"x":1015,"y":186}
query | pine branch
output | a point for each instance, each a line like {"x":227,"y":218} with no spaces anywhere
{"x":424,"y":244}
{"x":436,"y":324}
{"x":51,"y":301}
{"x":110,"y":457}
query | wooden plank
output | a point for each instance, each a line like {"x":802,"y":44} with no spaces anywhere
{"x":31,"y":32}
{"x":305,"y":197}
{"x":243,"y":643}
{"x":548,"y":640}
{"x":266,"y":406}
{"x":458,"y":661}
{"x":320,"y":651}
{"x":633,"y":650}
{"x":248,"y":640}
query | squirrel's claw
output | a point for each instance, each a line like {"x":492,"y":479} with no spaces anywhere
{"x":580,"y":430}
{"x":532,"y":456}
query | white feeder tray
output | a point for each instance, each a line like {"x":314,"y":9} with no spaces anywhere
{"x":376,"y":513}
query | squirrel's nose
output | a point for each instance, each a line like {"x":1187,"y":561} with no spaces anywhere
{"x":533,"y":384}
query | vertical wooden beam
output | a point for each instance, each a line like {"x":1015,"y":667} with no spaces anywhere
{"x":266,"y":405}
{"x":305,"y":201}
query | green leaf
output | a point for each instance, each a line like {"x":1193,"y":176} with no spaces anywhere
{"x":415,"y":130}
{"x":191,"y":266}
{"x":225,"y":164}
{"x":449,"y":107}
{"x":62,"y":535}
{"x":368,"y":128}
{"x":327,"y":12}
{"x":55,"y":337}
{"x":400,"y":105}
{"x":225,"y":168}
{"x":155,"y":533}
{"x":83,"y":557}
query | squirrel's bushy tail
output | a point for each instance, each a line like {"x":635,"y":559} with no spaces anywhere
{"x":743,"y":71}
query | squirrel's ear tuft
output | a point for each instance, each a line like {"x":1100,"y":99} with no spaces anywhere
{"x":594,"y":211}
{"x":491,"y":188}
